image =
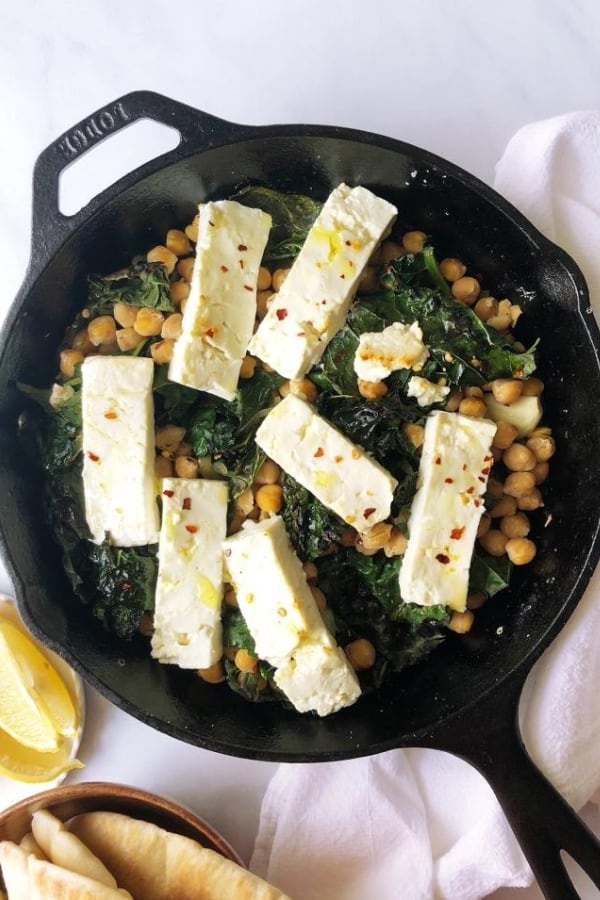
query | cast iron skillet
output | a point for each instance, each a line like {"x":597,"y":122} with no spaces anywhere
{"x":464,"y":698}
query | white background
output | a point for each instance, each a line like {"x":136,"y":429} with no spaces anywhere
{"x":457,"y":78}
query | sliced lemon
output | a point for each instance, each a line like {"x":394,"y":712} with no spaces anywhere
{"x":44,"y":684}
{"x":24,"y":764}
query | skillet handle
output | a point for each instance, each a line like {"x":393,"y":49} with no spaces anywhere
{"x":542,"y":820}
{"x":197,"y":130}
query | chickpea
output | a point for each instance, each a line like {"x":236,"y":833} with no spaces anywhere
{"x":396,"y":544}
{"x":454,"y":400}
{"x":179,"y":291}
{"x":149,"y":322}
{"x":178,"y":242}
{"x":245,"y":661}
{"x":377,"y":537}
{"x":466,"y":290}
{"x":494,"y":542}
{"x":515,"y":525}
{"x":529,"y":502}
{"x":361,"y":654}
{"x":263,"y":301}
{"x":128,"y":339}
{"x":81,"y":341}
{"x":506,"y":390}
{"x":230,"y":598}
{"x":186,"y":467}
{"x":505,"y":506}
{"x":163,"y":467}
{"x":520,"y":551}
{"x":543,"y":446}
{"x":495,"y":488}
{"x":269,"y":473}
{"x":269,"y":497}
{"x":311,"y":572}
{"x":533,"y":387}
{"x":476,"y":600}
{"x":473,"y":391}
{"x":485,"y":308}
{"x":505,"y":435}
{"x":519,"y":458}
{"x":473,"y":407}
{"x":264,"y":279}
{"x":304,"y":388}
{"x":369,"y":281}
{"x":125,"y":314}
{"x":452,"y":269}
{"x":184,"y":449}
{"x":245,"y":502}
{"x":372,"y":390}
{"x":248,"y":367}
{"x":68,"y":360}
{"x":162,"y":352}
{"x":185,"y":267}
{"x":414,"y":241}
{"x":102,"y":330}
{"x":278,"y":277}
{"x":461,"y":622}
{"x":415,"y":433}
{"x":168,"y":438}
{"x":502,"y":319}
{"x":171,"y":329}
{"x":214,"y":674}
{"x":320,"y":598}
{"x":519,"y":483}
{"x":485,"y":523}
{"x":164,"y":256}
{"x":390,"y":250}
{"x":191,"y":230}
{"x":541,"y":470}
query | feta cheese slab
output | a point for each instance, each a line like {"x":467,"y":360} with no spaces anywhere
{"x":313,"y":301}
{"x":379,"y":353}
{"x":118,"y":450}
{"x":189,"y":588}
{"x":284,"y":620}
{"x":425,"y":391}
{"x":221,"y":308}
{"x":339,"y":473}
{"x":455,"y":464}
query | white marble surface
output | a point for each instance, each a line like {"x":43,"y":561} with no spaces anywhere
{"x":456,"y":78}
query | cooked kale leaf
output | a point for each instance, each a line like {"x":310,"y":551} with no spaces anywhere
{"x":293,"y":216}
{"x":414,"y":270}
{"x":489,"y":574}
{"x":141,"y":284}
{"x":57,"y":425}
{"x":313,"y":529}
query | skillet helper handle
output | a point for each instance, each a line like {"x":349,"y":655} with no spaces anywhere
{"x":197,"y":131}
{"x":542,"y":820}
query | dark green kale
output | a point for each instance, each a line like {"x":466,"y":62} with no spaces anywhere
{"x":313,"y":529}
{"x":489,"y":574}
{"x":141,"y":284}
{"x":250,"y":685}
{"x":293,"y":216}
{"x":414,"y":270}
{"x":58,"y":424}
{"x":172,"y":402}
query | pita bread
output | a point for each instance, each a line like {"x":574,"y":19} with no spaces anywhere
{"x":51,"y":882}
{"x":64,"y":849}
{"x":29,"y":844}
{"x":15,"y":870}
{"x":154,"y":864}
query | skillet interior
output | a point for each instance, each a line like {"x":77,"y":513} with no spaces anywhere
{"x":465,"y":220}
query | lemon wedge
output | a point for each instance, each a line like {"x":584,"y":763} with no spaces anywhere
{"x":24,"y":764}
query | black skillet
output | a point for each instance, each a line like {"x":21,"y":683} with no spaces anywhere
{"x":464,"y":698}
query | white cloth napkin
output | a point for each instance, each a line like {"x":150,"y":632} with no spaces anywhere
{"x":419,"y":823}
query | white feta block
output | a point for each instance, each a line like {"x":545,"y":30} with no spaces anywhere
{"x":118,"y":450}
{"x":455,"y":464}
{"x":379,"y":353}
{"x":314,"y":299}
{"x":425,"y":391}
{"x":284,"y":620}
{"x":339,"y":473}
{"x":221,"y":308}
{"x":189,"y":589}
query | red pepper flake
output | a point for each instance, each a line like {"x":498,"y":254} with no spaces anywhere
{"x":187,"y":503}
{"x":301,"y":334}
{"x":464,"y":467}
{"x":323,"y":302}
{"x":488,"y":458}
{"x":319,"y":452}
{"x":242,"y":247}
{"x":210,"y":332}
{"x":477,"y":503}
{"x":224,"y":269}
{"x":485,"y":470}
{"x":127,"y":586}
{"x":342,"y":276}
{"x":248,"y":287}
{"x":348,"y":243}
{"x":470,"y":490}
{"x":457,"y":533}
{"x":212,"y":224}
{"x":338,"y":459}
{"x":111,"y":414}
{"x":481,"y":478}
{"x":281,"y":314}
{"x":438,"y":461}
{"x":191,"y":528}
{"x":442,"y":558}
{"x":368,"y":512}
{"x":168,"y":493}
{"x":449,"y":480}
{"x":93,"y":456}
{"x":241,"y":263}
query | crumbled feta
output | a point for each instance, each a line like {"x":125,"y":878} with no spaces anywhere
{"x":379,"y":353}
{"x":425,"y":391}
